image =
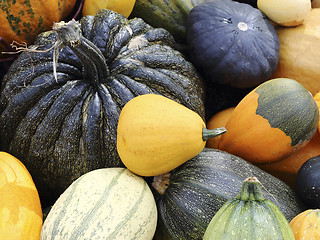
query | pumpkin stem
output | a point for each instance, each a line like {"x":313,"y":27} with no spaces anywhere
{"x":94,"y":64}
{"x":251,"y":190}
{"x":161,"y":183}
{"x":211,"y":133}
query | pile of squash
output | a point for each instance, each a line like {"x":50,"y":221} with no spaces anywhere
{"x":162,"y":120}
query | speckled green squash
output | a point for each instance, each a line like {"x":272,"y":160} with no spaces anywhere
{"x":62,"y":128}
{"x":188,"y":197}
{"x":249,"y":216}
{"x":171,"y":15}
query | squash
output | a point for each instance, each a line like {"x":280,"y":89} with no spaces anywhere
{"x":216,"y":121}
{"x":156,"y":134}
{"x":308,"y":182}
{"x":232,"y":43}
{"x":20,"y":208}
{"x":170,"y":15}
{"x":120,"y":207}
{"x":306,"y":225}
{"x":124,"y":7}
{"x":22,"y":21}
{"x":300,"y":51}
{"x":271,"y":122}
{"x":62,"y":124}
{"x":249,"y":216}
{"x":315,"y":3}
{"x":287,"y":12}
{"x":189,"y":196}
{"x":316,"y":98}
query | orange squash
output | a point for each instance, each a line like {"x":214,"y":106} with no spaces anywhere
{"x":20,"y":208}
{"x":216,"y":121}
{"x":306,"y":225}
{"x":271,"y":122}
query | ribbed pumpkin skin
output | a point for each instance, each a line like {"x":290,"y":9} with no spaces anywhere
{"x":109,"y":203}
{"x":199,"y":188}
{"x":22,"y":20}
{"x":306,"y":225}
{"x":232,"y":43}
{"x":170,"y":15}
{"x":249,"y":216}
{"x":271,"y":122}
{"x":20,"y":208}
{"x":62,"y":129}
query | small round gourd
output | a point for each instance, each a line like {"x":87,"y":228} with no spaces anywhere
{"x":232,"y":43}
{"x":20,"y":208}
{"x":156,"y":134}
{"x":249,"y":216}
{"x":271,"y":122}
{"x":306,"y":225}
{"x":107,"y":203}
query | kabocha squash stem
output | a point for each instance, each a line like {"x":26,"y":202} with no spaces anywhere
{"x":211,"y":133}
{"x":94,"y":63}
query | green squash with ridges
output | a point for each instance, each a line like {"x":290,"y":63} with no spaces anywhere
{"x":107,"y":203}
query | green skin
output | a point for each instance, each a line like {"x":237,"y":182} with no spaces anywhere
{"x":249,"y":216}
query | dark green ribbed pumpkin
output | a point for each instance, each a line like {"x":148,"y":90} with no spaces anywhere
{"x":170,"y":15}
{"x":61,"y":128}
{"x":249,"y":216}
{"x":188,"y":197}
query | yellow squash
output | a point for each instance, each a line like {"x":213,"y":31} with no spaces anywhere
{"x":156,"y":134}
{"x":306,"y":225}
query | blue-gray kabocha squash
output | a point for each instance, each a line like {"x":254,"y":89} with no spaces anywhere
{"x":232,"y":43}
{"x":63,"y":127}
{"x":249,"y":216}
{"x":189,"y":196}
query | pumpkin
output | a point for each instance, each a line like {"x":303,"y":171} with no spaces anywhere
{"x":91,"y":7}
{"x":216,"y":121}
{"x":170,"y":15}
{"x":249,"y":216}
{"x":20,"y":208}
{"x":120,"y":207}
{"x":60,"y":117}
{"x":156,"y":134}
{"x":189,"y":196}
{"x":286,"y":13}
{"x":306,"y":225}
{"x":308,"y":182}
{"x":271,"y":122}
{"x":22,"y":21}
{"x":300,"y":51}
{"x":232,"y":43}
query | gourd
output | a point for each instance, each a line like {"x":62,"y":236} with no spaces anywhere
{"x":124,"y":7}
{"x":306,"y":225}
{"x":216,"y":121}
{"x":60,"y":117}
{"x":156,"y":134}
{"x":107,"y":203}
{"x":20,"y":208}
{"x":286,"y":13}
{"x":189,"y":196}
{"x":307,"y":182}
{"x":271,"y":122}
{"x":22,"y":21}
{"x":232,"y":43}
{"x":170,"y":15}
{"x":249,"y":216}
{"x":299,"y":52}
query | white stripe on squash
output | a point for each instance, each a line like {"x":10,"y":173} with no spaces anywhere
{"x":109,"y":203}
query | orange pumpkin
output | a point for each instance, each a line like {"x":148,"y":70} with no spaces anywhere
{"x":306,"y":225}
{"x":20,"y":208}
{"x":216,"y":121}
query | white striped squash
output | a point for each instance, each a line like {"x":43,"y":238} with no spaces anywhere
{"x":108,"y":203}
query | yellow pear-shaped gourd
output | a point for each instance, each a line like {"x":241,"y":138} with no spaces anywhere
{"x":156,"y":134}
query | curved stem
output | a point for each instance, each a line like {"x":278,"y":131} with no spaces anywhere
{"x":211,"y":133}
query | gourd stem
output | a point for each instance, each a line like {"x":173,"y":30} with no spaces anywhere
{"x":161,"y":183}
{"x":94,"y":64}
{"x":251,"y":190}
{"x":211,"y":133}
